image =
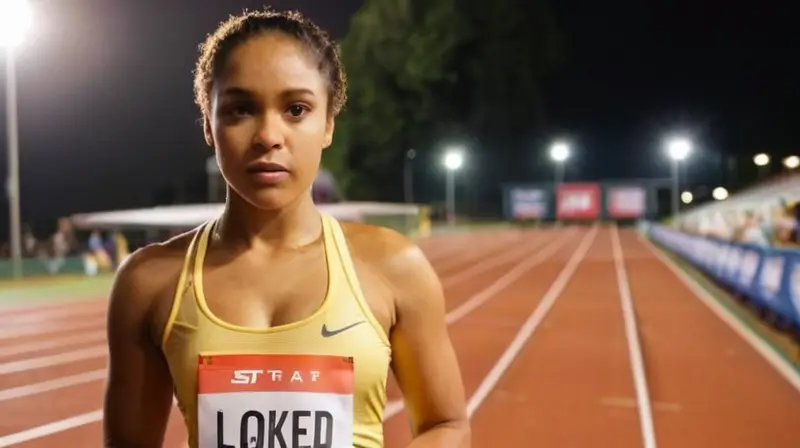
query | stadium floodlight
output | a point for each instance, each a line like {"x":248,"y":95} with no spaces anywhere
{"x":679,"y":148}
{"x":687,"y":197}
{"x":16,"y":17}
{"x":791,"y":162}
{"x":761,"y":159}
{"x":720,"y":193}
{"x":559,"y":152}
{"x":453,"y":161}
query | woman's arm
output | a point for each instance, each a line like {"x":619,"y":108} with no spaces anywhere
{"x":424,"y":361}
{"x":138,"y":396}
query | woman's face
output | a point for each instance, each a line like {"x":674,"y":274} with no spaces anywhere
{"x":269,"y":121}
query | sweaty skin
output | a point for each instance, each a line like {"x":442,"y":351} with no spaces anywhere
{"x":402,"y":289}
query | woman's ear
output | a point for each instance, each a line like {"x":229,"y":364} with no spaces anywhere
{"x":329,"y":127}
{"x":207,"y":132}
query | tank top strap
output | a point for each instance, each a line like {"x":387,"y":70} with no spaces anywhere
{"x":183,"y":312}
{"x":345,"y":267}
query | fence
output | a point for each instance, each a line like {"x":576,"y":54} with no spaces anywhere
{"x":767,"y":277}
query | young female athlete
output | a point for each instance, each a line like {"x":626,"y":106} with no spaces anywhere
{"x":275,"y":325}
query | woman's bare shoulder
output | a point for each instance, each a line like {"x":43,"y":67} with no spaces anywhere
{"x":399,"y":260}
{"x":150,"y":274}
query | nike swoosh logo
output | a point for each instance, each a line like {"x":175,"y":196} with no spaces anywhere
{"x":328,"y":333}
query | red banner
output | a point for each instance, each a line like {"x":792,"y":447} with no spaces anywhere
{"x":625,"y":202}
{"x":578,"y":201}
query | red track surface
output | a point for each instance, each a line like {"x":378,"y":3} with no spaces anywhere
{"x":538,"y":323}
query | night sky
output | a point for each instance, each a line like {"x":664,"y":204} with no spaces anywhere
{"x":107,"y":119}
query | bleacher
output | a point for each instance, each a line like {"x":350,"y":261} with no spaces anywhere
{"x":766,"y":277}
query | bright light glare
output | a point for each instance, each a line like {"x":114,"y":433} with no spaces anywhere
{"x":559,"y":152}
{"x":720,"y":194}
{"x":453,"y":160}
{"x":679,"y":148}
{"x":791,"y":162}
{"x":687,"y":197}
{"x":15,"y":21}
{"x":761,"y":159}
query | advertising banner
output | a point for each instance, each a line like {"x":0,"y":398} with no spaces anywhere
{"x":766,"y":276}
{"x":578,"y":201}
{"x":626,"y":202}
{"x":528,"y":203}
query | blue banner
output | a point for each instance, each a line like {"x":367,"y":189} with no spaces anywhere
{"x":766,"y":276}
{"x":529,"y":203}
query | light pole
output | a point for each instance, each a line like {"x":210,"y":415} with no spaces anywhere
{"x":678,"y":150}
{"x":15,"y":20}
{"x":408,"y":175}
{"x":559,"y":153}
{"x":453,"y":160}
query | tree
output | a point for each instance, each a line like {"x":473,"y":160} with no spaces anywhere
{"x":426,"y":71}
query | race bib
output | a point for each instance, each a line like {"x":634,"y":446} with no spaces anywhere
{"x":275,"y":401}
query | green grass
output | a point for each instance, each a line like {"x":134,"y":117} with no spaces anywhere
{"x":52,"y":289}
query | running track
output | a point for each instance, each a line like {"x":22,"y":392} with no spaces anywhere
{"x":568,"y":338}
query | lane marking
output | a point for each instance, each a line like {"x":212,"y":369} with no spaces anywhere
{"x":394,"y":407}
{"x":35,"y":346}
{"x":51,"y":428}
{"x":40,"y":362}
{"x":771,"y":355}
{"x":49,"y":328}
{"x":97,"y":415}
{"x":486,"y":248}
{"x":531,"y":324}
{"x":54,"y":384}
{"x":507,"y":256}
{"x":634,"y":345}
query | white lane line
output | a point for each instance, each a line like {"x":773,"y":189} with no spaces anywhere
{"x":64,"y":341}
{"x":394,"y":407}
{"x":531,"y":324}
{"x":475,"y":253}
{"x":50,"y":316}
{"x":95,"y":416}
{"x":49,"y":328}
{"x":51,"y":428}
{"x":634,"y":345}
{"x":37,"y":307}
{"x":504,"y":257}
{"x":40,"y":362}
{"x":50,"y":385}
{"x":773,"y":358}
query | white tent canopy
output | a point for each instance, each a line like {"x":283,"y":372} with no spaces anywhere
{"x":188,"y":216}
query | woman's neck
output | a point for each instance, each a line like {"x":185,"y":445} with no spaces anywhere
{"x":296,"y":225}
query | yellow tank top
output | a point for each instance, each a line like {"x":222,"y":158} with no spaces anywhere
{"x":193,"y":330}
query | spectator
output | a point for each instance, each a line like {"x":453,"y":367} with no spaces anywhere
{"x":752,"y":232}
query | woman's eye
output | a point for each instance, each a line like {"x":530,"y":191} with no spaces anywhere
{"x":297,"y":110}
{"x":242,"y":110}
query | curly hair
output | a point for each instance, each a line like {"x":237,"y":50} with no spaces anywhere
{"x":238,"y":29}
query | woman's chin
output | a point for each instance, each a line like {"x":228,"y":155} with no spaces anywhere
{"x":271,"y":200}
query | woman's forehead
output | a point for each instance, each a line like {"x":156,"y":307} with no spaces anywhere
{"x":271,"y":61}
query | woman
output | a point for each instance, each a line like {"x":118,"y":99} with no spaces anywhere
{"x":275,"y":325}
